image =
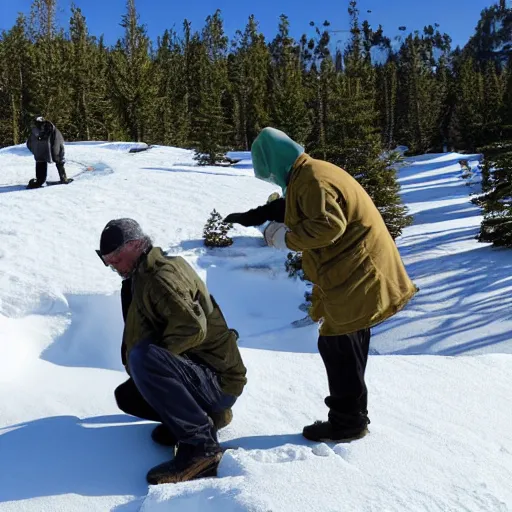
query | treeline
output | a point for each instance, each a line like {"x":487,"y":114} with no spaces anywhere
{"x":199,"y":86}
{"x":199,"y":89}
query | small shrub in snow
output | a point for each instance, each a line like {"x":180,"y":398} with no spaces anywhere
{"x":293,"y":265}
{"x":215,"y":231}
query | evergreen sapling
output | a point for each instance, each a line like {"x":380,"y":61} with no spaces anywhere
{"x":215,"y":231}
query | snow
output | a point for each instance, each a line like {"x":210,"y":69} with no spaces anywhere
{"x":438,"y":377}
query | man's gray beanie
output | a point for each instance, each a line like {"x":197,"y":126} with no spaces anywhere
{"x":118,"y":232}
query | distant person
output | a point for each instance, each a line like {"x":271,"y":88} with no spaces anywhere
{"x":46,"y":143}
{"x":186,"y":371}
{"x":349,"y":256}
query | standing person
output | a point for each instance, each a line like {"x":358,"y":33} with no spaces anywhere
{"x":347,"y":252}
{"x":46,"y":143}
{"x":184,"y":364}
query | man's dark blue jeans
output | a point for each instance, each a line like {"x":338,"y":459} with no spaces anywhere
{"x":174,"y":390}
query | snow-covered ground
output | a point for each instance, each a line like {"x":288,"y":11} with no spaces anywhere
{"x":440,"y":437}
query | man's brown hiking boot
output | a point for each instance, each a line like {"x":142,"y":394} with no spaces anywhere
{"x":191,"y":462}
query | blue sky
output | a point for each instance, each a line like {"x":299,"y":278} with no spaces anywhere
{"x":456,"y":17}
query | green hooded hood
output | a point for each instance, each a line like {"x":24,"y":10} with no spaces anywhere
{"x":273,"y":155}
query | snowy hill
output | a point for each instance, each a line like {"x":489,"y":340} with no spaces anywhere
{"x":440,"y":437}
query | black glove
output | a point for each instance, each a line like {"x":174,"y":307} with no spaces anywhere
{"x":268,"y":212}
{"x":237,"y":218}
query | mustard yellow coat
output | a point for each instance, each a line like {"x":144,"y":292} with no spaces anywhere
{"x":347,"y":252}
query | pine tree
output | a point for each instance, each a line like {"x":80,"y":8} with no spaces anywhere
{"x":288,"y":109}
{"x":131,"y":75}
{"x":354,"y":141}
{"x":50,"y":93}
{"x":107,"y":123}
{"x":83,"y":77}
{"x":195,"y":69}
{"x":320,"y":84}
{"x":215,"y":231}
{"x":506,"y":113}
{"x":211,"y":126}
{"x":248,"y":71}
{"x":14,"y":83}
{"x":493,"y":88}
{"x":496,"y":226}
{"x":170,"y":121}
{"x":445,"y":88}
{"x":293,"y":265}
{"x":481,"y":81}
{"x":387,"y":85}
{"x":492,"y":39}
{"x":468,"y":118}
{"x":422,"y":90}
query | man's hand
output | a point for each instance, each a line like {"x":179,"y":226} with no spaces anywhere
{"x":275,"y":235}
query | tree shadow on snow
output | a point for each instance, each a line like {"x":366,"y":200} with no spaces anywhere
{"x":66,"y":455}
{"x":477,"y":295}
{"x":446,"y":212}
{"x":432,"y":161}
{"x":194,"y":170}
{"x":423,"y":242}
{"x":408,"y":177}
{"x":434,"y":193}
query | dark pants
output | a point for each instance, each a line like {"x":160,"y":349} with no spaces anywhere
{"x":345,"y":360}
{"x":130,"y":401}
{"x":42,"y":172}
{"x":126,"y":300}
{"x":174,"y":390}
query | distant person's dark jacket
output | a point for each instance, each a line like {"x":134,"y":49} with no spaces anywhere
{"x":46,"y":143}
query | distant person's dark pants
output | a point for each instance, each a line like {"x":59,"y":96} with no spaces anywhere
{"x":42,"y":172}
{"x":345,"y":360}
{"x":173,"y":390}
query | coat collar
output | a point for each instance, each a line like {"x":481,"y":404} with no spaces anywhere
{"x":146,"y":261}
{"x":294,"y":172}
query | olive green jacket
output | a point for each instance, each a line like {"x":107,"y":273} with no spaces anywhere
{"x":172,"y":307}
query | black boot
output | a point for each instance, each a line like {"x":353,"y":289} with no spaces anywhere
{"x":325,"y":431}
{"x":62,"y":174}
{"x":33,"y":183}
{"x":41,"y":172}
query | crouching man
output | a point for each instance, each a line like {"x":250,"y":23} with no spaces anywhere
{"x":185,"y":367}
